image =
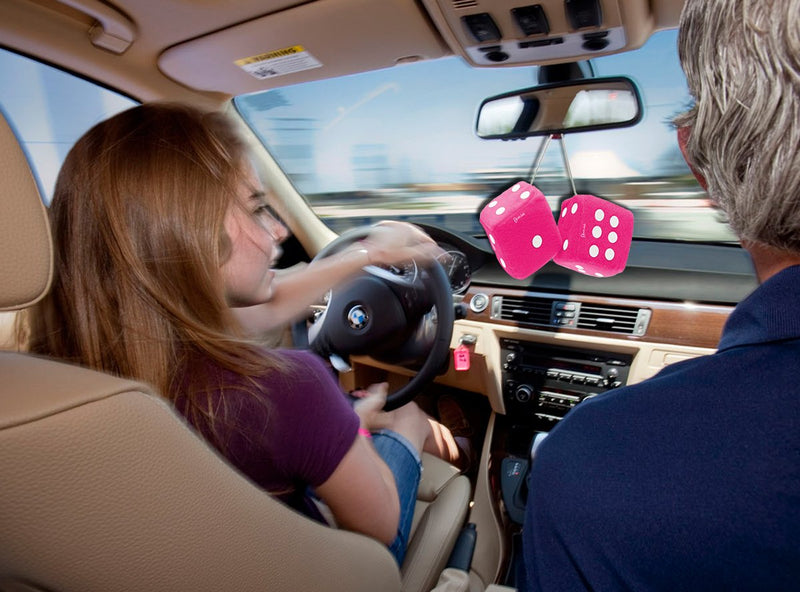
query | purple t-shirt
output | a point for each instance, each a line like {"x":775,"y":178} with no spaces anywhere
{"x":286,"y":437}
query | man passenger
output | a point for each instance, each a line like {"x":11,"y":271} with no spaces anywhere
{"x":691,"y":480}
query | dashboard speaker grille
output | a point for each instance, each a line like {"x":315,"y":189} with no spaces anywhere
{"x":462,"y":4}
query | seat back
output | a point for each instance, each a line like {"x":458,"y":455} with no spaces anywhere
{"x":104,"y":487}
{"x":26,"y":247}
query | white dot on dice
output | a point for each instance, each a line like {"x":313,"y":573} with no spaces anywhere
{"x":594,"y":250}
{"x":597,"y":232}
{"x":574,"y":208}
{"x":599,"y":215}
{"x":566,"y":244}
{"x":493,"y":204}
{"x":537,"y":241}
{"x":599,"y":274}
{"x":563,"y":212}
{"x":610,"y":254}
{"x":515,"y":188}
{"x":614,"y":221}
{"x":503,"y":263}
{"x":612,"y":237}
{"x":500,"y":211}
{"x":525,"y":195}
{"x":491,"y":238}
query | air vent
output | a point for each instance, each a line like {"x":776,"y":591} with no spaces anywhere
{"x":462,"y":4}
{"x":528,"y":311}
{"x":571,"y":314}
{"x":614,"y":319}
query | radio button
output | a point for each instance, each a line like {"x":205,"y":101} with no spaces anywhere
{"x":548,"y":417}
{"x":565,"y":376}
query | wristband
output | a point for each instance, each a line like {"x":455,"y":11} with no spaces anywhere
{"x":365,"y":432}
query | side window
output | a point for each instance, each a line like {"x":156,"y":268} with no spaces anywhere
{"x":49,"y":110}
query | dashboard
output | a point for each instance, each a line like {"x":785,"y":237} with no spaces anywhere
{"x":670,"y":304}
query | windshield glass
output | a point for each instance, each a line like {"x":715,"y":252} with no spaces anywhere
{"x":400,"y":143}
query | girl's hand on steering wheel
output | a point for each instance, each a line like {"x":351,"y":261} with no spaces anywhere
{"x":391,"y":242}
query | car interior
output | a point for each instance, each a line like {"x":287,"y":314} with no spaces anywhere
{"x":105,"y":487}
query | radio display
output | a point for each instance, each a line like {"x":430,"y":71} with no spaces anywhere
{"x":545,"y":362}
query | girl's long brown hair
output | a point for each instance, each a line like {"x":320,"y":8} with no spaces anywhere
{"x":137,"y":217}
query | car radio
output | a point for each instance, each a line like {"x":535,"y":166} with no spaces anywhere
{"x":546,"y":382}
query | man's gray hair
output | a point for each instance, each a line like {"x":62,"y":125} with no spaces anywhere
{"x":742,"y":62}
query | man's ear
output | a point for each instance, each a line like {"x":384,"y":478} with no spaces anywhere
{"x":683,"y":140}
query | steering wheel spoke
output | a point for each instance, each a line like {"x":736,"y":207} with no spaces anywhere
{"x":398,"y":315}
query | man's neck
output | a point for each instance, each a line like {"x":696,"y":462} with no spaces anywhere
{"x":768,"y":260}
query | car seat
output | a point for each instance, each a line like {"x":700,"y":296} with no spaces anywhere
{"x":105,"y":487}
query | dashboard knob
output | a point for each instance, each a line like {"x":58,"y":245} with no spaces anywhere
{"x":523,"y":393}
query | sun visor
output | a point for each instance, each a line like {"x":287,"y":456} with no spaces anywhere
{"x":312,"y":41}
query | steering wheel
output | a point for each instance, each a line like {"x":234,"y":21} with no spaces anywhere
{"x":399,"y":315}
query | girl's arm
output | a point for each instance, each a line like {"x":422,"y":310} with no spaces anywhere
{"x":361,"y":492}
{"x":295,"y":290}
{"x":362,"y":495}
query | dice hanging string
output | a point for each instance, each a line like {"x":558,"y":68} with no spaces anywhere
{"x":539,"y":156}
{"x":566,"y":163}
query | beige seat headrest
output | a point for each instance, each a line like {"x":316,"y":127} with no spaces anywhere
{"x":26,"y":247}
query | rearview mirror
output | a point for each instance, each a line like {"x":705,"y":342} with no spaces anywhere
{"x":573,"y":106}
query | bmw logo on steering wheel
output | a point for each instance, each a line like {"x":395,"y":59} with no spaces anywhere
{"x":358,"y":317}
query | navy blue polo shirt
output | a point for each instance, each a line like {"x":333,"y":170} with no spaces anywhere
{"x":687,"y":481}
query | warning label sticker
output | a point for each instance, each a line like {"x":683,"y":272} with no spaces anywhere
{"x":278,"y":62}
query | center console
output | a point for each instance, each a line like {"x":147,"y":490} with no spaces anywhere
{"x":541,"y":384}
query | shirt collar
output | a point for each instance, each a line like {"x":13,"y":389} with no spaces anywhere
{"x":770,"y":313}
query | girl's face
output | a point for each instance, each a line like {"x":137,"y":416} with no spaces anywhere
{"x":254,"y":236}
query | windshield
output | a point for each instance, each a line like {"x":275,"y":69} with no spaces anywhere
{"x":400,"y":143}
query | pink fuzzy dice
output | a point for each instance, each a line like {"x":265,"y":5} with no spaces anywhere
{"x":521,"y":229}
{"x":596,"y":236}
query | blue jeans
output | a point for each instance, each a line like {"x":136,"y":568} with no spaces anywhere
{"x":404,"y":461}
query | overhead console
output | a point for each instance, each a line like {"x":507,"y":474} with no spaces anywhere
{"x":513,"y":33}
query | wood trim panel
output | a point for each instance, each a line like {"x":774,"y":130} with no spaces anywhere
{"x":677,"y":323}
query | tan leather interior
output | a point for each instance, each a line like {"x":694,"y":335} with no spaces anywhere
{"x":442,"y":504}
{"x":106,"y":488}
{"x":26,"y":265}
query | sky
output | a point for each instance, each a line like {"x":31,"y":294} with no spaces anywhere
{"x":50,"y":109}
